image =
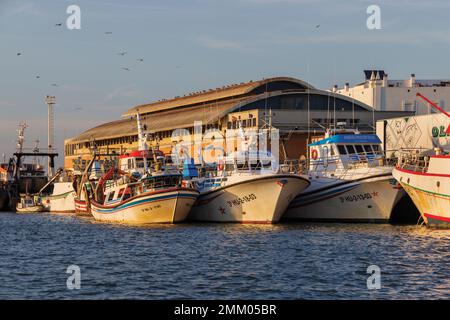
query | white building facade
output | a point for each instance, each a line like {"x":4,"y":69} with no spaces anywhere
{"x":383,"y":94}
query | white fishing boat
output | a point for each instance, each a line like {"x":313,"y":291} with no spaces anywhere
{"x":61,"y":199}
{"x":349,"y":181}
{"x":426,"y":178}
{"x":29,"y":204}
{"x":239,"y":191}
{"x":144,"y":190}
{"x":58,"y":195}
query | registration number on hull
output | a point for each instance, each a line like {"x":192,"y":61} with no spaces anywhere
{"x":238,"y":201}
{"x":358,"y":197}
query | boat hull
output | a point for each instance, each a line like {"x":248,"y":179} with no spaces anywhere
{"x":4,"y":198}
{"x":366,"y":200}
{"x":430,"y":194}
{"x":62,"y":200}
{"x":259,"y":200}
{"x":82,"y":208}
{"x":32,"y":209}
{"x":154,"y":207}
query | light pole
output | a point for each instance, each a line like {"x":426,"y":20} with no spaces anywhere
{"x":50,"y":100}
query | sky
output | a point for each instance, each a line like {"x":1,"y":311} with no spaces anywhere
{"x":175,"y":47}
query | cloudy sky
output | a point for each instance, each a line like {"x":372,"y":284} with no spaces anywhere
{"x":178,"y":46}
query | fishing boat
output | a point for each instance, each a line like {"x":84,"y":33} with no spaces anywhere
{"x":426,"y":178}
{"x":157,"y":198}
{"x":143,"y":190}
{"x":57,"y":195}
{"x":350,"y":180}
{"x":29,"y":204}
{"x":243,"y":189}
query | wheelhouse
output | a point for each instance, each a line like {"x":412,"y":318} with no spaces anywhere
{"x":344,"y":151}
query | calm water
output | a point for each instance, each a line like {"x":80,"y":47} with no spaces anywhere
{"x":218,"y":261}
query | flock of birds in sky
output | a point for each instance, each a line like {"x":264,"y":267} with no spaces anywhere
{"x":123,"y":53}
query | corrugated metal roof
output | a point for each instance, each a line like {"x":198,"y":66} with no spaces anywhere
{"x":164,"y":120}
{"x":206,"y":96}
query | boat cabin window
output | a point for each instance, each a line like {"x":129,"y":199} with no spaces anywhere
{"x":342,"y":149}
{"x":229,"y":167}
{"x":332,"y":151}
{"x":351,"y":149}
{"x":126,"y":194}
{"x":368,"y":149}
{"x":111,"y":196}
{"x":359,"y":149}
{"x":376,"y":148}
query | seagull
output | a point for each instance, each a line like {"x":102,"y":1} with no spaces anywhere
{"x":18,"y":53}
{"x":58,"y":25}
{"x":79,"y":108}
{"x":140,"y":59}
{"x":126,"y":69}
{"x":122,"y":53}
{"x":38,"y":77}
{"x":108,"y":32}
{"x":54,"y":84}
{"x":317,"y":26}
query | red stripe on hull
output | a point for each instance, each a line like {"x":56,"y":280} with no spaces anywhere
{"x":423,"y":173}
{"x":432,"y":216}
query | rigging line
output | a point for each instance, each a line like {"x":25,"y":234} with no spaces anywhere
{"x":353,"y":111}
{"x":309,"y":111}
{"x":374,"y":105}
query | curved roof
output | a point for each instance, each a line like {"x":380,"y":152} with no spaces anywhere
{"x":206,"y":96}
{"x":184,"y":117}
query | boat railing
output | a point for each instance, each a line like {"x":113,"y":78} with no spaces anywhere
{"x":414,"y":159}
{"x":333,"y":163}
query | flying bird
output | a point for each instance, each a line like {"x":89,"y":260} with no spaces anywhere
{"x":140,"y":59}
{"x":126,"y":69}
{"x":122,"y":53}
{"x":317,"y":26}
{"x":18,"y":53}
{"x":108,"y":32}
{"x":55,"y":85}
{"x":58,"y":25}
{"x":38,"y":77}
{"x":79,"y":108}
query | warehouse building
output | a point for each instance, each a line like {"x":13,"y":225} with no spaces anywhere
{"x":298,"y":110}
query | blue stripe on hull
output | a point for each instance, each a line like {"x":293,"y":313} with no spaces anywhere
{"x":320,"y":195}
{"x":145,"y":201}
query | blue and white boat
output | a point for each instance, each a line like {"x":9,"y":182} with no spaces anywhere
{"x":350,"y":181}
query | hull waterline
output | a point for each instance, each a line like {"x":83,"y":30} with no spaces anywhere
{"x":259,"y":200}
{"x":368,"y":200}
{"x":153,"y":207}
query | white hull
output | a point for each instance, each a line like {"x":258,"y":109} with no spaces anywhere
{"x":430,"y":193}
{"x":259,"y":199}
{"x":155,"y":207}
{"x":366,"y":200}
{"x":32,"y":209}
{"x":62,"y":199}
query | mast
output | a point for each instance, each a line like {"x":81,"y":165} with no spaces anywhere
{"x":21,"y":136}
{"x":142,"y":139}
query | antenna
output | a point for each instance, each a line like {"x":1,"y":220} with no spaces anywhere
{"x":21,"y":136}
